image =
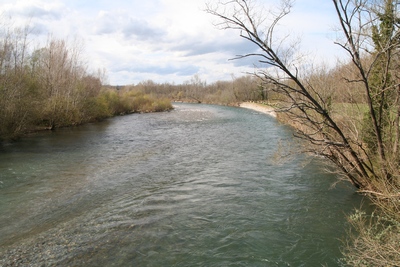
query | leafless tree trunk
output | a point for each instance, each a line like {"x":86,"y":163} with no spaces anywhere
{"x":304,"y":103}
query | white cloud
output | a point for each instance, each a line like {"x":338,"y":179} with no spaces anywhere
{"x":162,"y":40}
{"x":37,"y":9}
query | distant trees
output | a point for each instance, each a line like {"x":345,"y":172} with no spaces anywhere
{"x":50,"y":86}
{"x":244,"y":88}
{"x":249,"y":88}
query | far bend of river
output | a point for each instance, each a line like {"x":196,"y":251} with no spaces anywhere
{"x":196,"y":186}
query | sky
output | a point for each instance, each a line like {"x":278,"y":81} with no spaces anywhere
{"x":166,"y":41}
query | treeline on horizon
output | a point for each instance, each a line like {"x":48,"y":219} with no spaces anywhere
{"x":250,"y":87}
{"x":244,"y":88}
{"x":49,"y":86}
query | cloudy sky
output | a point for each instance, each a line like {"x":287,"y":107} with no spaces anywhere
{"x":164,"y":40}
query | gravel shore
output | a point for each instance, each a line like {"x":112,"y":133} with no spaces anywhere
{"x":259,"y":107}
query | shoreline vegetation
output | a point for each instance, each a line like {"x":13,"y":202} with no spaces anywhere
{"x":107,"y":103}
{"x":45,"y":87}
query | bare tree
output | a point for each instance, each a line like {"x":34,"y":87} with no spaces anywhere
{"x":17,"y":100}
{"x":305,"y":104}
{"x":61,"y":73}
{"x":370,"y":32}
{"x":195,"y":88}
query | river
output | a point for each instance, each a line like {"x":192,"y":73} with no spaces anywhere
{"x":197,"y":186}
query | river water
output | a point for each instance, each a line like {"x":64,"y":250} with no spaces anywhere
{"x":197,"y":186}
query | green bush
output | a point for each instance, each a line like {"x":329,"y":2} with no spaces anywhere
{"x":162,"y":104}
{"x":375,"y":240}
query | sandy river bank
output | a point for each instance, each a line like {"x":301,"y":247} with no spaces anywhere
{"x":259,"y":107}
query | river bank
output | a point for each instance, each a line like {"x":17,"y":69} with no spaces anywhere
{"x":259,"y":107}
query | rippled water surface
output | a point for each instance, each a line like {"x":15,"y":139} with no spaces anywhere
{"x":198,"y":186}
